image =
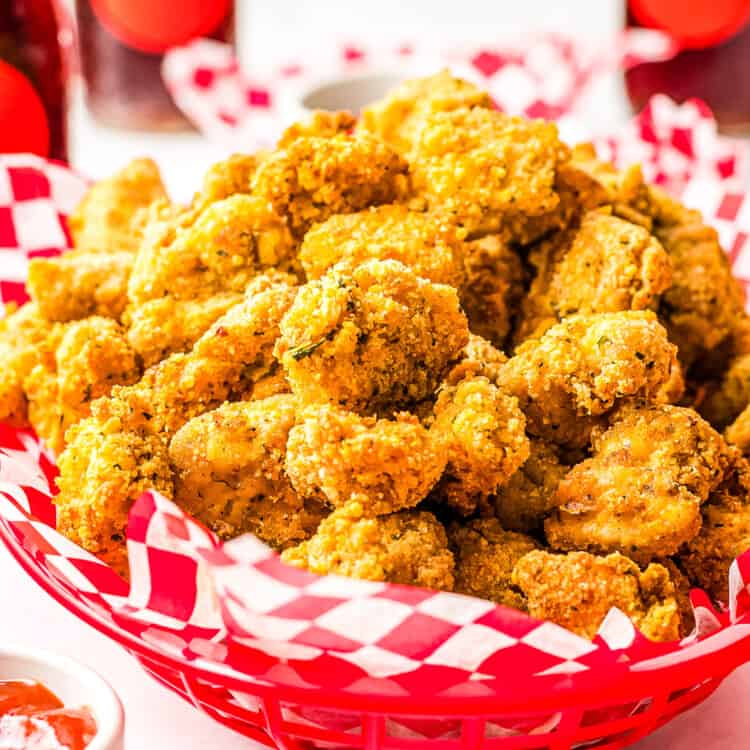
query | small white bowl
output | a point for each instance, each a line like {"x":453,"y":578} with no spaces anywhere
{"x":74,"y":684}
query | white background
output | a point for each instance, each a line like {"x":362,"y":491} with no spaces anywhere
{"x":272,"y":30}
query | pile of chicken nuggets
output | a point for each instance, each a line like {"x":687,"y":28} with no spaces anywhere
{"x":432,"y":346}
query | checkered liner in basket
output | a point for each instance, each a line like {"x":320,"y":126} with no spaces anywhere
{"x":237,"y":610}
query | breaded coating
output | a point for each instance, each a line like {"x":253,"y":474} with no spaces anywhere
{"x":225,"y":178}
{"x":428,"y":243}
{"x":731,"y":395}
{"x":738,"y":433}
{"x":485,"y":555}
{"x":408,"y":547}
{"x":489,"y":170}
{"x":640,"y":492}
{"x":478,"y":357}
{"x":725,"y":533}
{"x":22,"y":333}
{"x":398,"y":118}
{"x":702,"y":306}
{"x":321,"y":124}
{"x":529,"y":496}
{"x":80,"y":362}
{"x":314,"y":178}
{"x":581,"y":368}
{"x":604,"y":265}
{"x":682,"y":589}
{"x":220,"y":250}
{"x":485,"y":434}
{"x":163,"y":326}
{"x":491,"y":294}
{"x":103,"y":470}
{"x":79,"y":284}
{"x":384,"y":464}
{"x":371,"y":339}
{"x":233,"y":354}
{"x":229,"y":473}
{"x":107,"y":219}
{"x":577,"y":591}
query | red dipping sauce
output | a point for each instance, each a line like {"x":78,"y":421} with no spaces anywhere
{"x":31,"y":716}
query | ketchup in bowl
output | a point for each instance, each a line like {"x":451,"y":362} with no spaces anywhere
{"x":31,"y":716}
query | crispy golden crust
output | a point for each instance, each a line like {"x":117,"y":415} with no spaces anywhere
{"x":233,"y":354}
{"x":529,"y":497}
{"x":581,"y":368}
{"x":163,"y":326}
{"x":738,"y":433}
{"x":22,"y":334}
{"x":640,"y":493}
{"x":604,"y":265}
{"x":321,"y":124}
{"x":373,"y":339}
{"x":682,"y":589}
{"x":219,"y":250}
{"x":229,"y":473}
{"x":107,"y":219}
{"x":428,"y":243}
{"x":407,"y":547}
{"x":488,"y":170}
{"x":103,"y":470}
{"x":314,"y":178}
{"x":384,"y":464}
{"x":79,"y":362}
{"x":479,"y":357}
{"x":484,"y":432}
{"x":701,"y":308}
{"x":485,"y":556}
{"x":577,"y":591}
{"x":79,"y":284}
{"x":398,"y":118}
{"x":731,"y":395}
{"x":225,"y":178}
{"x":725,"y":533}
{"x":492,"y":291}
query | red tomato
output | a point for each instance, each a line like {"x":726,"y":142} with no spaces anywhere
{"x":23,"y":120}
{"x":156,"y":26}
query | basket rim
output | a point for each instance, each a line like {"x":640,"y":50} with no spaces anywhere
{"x":598,"y":687}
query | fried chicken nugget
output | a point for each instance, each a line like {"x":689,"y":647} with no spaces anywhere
{"x":724,"y":535}
{"x":577,"y":591}
{"x":485,"y":435}
{"x":22,"y":333}
{"x":229,"y":473}
{"x":604,"y":265}
{"x":107,"y":220}
{"x":489,"y":170}
{"x":235,"y":352}
{"x":398,"y":118}
{"x":485,"y":555}
{"x":409,"y":547}
{"x":385,"y":465}
{"x":103,"y":471}
{"x":641,"y":491}
{"x":581,"y":368}
{"x":370,"y":339}
{"x":225,"y":178}
{"x":428,"y":243}
{"x":314,"y":178}
{"x":731,"y":395}
{"x":528,"y":497}
{"x":220,"y":250}
{"x":738,"y":433}
{"x":163,"y":326}
{"x":478,"y":357}
{"x":494,"y":286}
{"x":82,"y":362}
{"x":321,"y":124}
{"x":79,"y":284}
{"x":704,"y":302}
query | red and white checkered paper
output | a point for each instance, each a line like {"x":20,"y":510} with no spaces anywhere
{"x":236,"y":610}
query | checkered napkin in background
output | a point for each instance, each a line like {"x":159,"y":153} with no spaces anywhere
{"x":234,"y":609}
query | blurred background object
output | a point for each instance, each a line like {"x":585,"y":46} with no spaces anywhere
{"x":32,"y":80}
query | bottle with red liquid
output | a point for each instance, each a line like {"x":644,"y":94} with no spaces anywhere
{"x":122,"y":45}
{"x":32,"y":79}
{"x":713,"y":64}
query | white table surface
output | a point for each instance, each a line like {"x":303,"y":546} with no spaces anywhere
{"x":156,"y":719}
